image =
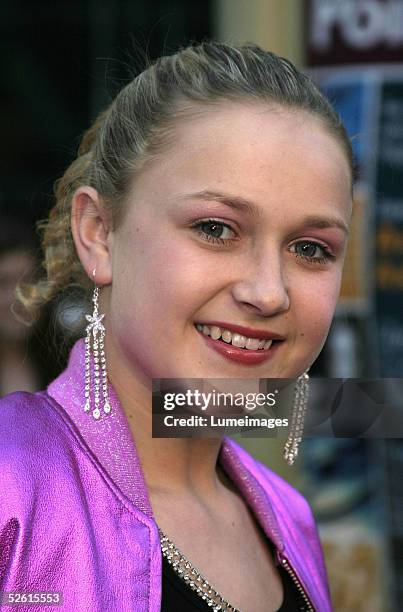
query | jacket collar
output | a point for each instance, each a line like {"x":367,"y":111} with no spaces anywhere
{"x":112,"y":443}
{"x":113,"y":446}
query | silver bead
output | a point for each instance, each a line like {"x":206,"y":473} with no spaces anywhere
{"x":96,"y":330}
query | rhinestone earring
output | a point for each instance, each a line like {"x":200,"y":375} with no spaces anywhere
{"x":301,"y":393}
{"x":96,"y":327}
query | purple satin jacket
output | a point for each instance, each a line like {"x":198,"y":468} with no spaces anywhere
{"x":75,"y":516}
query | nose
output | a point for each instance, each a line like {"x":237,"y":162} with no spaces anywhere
{"x":261,"y":288}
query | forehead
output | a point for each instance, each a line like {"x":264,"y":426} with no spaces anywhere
{"x":248,"y":130}
{"x":263,"y":153}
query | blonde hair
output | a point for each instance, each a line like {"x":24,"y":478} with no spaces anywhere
{"x":138,"y":125}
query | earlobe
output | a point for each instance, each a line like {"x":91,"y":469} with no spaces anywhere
{"x":90,"y":230}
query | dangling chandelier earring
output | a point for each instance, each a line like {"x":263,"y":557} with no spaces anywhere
{"x":96,"y":327}
{"x":301,"y":393}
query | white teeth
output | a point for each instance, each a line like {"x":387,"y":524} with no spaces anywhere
{"x":215,"y":332}
{"x":227,"y":336}
{"x":251,"y":344}
{"x":238,"y":340}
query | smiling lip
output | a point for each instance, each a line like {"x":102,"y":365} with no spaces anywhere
{"x":240,"y":355}
{"x":245,"y":331}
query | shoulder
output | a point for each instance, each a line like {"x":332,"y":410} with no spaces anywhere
{"x":33,"y":438}
{"x":28,"y":423}
{"x":292,"y":519}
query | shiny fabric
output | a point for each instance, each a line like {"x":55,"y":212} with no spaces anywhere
{"x":75,"y":515}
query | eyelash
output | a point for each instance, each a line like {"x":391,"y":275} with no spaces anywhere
{"x":226,"y":241}
{"x":320,"y":260}
{"x":209,"y":238}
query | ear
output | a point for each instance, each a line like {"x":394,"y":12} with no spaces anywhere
{"x":92,"y":235}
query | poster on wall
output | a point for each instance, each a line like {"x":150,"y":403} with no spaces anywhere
{"x":355,"y":53}
{"x":389,"y":225}
{"x":340,"y":32}
{"x":370,"y":103}
{"x":352,"y":97}
{"x":339,"y":476}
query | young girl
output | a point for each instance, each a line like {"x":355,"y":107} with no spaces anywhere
{"x":207,"y":215}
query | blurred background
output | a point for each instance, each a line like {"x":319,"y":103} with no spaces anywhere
{"x":63,"y":61}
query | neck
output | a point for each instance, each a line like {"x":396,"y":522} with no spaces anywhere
{"x":177,"y":466}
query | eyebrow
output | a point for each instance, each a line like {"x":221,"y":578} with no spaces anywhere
{"x":238,"y":203}
{"x":234,"y":202}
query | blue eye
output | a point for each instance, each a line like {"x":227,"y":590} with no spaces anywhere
{"x":217,"y":232}
{"x":213,"y":230}
{"x":310,"y":248}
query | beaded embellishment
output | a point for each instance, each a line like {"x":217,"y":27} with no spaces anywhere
{"x":96,"y":327}
{"x":184,"y":568}
{"x":301,"y":394}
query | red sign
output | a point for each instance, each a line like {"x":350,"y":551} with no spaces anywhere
{"x":354,"y":31}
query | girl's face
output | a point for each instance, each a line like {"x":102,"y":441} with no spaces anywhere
{"x":239,"y":224}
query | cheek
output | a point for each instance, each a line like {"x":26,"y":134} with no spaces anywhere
{"x":315,"y":307}
{"x":159,"y":280}
{"x":157,"y":294}
{"x":173,"y":281}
